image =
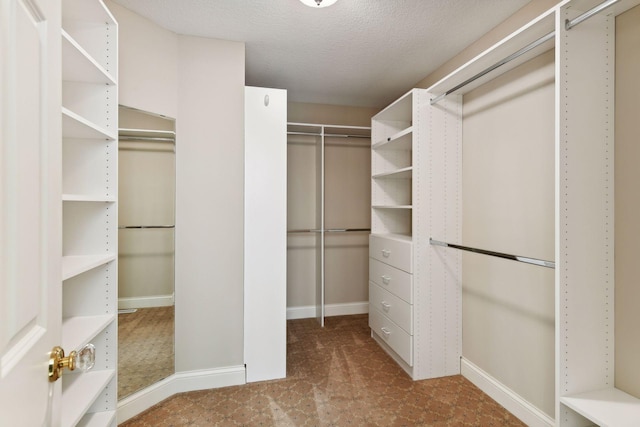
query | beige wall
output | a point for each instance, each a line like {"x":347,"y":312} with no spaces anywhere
{"x":200,"y":82}
{"x":627,"y":197}
{"x":508,"y":206}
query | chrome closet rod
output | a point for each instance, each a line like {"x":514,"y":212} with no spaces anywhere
{"x":328,"y":230}
{"x":498,"y":64}
{"x":526,"y":260}
{"x":334,"y":135}
{"x":128,"y":227}
{"x":569,"y":24}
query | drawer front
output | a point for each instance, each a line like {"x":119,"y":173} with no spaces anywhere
{"x":396,"y":253}
{"x":392,"y":334}
{"x":396,"y":281}
{"x":397,"y":310}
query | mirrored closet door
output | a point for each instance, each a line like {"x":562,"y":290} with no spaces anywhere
{"x":146,"y":156}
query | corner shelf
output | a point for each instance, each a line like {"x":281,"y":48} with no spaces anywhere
{"x":606,"y":407}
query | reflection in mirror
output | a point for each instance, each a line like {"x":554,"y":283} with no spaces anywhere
{"x":146,"y":227}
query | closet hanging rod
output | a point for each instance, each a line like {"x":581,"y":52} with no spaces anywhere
{"x":498,"y":64}
{"x":145,"y":138}
{"x":329,"y":230}
{"x":318,"y":125}
{"x":334,"y":135}
{"x":526,"y":260}
{"x":128,"y":227}
{"x":569,"y":24}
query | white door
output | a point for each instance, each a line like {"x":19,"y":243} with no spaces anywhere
{"x":30,"y":210}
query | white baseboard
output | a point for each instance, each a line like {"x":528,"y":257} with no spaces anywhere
{"x":178,"y":383}
{"x":330,"y":310}
{"x":145,"y":302}
{"x":510,"y":400}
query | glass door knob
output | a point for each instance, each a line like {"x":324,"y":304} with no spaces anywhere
{"x":83,"y":359}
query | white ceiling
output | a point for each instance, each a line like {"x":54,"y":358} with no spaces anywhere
{"x":356,"y":52}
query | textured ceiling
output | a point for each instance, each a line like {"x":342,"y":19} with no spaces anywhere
{"x":356,"y":52}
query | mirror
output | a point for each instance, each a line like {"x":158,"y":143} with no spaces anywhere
{"x":146,"y":230}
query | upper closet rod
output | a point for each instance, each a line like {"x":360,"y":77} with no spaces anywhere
{"x":526,"y":260}
{"x":328,"y":134}
{"x":329,"y":230}
{"x":569,"y":24}
{"x":498,"y":64}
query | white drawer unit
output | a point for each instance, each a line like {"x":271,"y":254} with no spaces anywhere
{"x":393,"y":251}
{"x":391,"y":306}
{"x":396,"y":281}
{"x":395,"y":337}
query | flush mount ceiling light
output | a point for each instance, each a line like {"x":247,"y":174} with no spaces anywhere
{"x":318,"y":3}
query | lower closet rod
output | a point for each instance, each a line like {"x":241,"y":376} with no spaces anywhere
{"x":526,"y":260}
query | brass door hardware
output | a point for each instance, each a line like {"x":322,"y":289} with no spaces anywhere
{"x":84,"y":359}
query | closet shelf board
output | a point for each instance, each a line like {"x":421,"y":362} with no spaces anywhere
{"x":88,"y":198}
{"x":79,"y":66}
{"x":74,"y":265}
{"x":394,"y":236}
{"x":80,"y":330}
{"x":98,"y":419}
{"x":76,"y":126}
{"x":399,"y":110}
{"x":392,"y":207}
{"x":399,"y":141}
{"x":607,"y":407}
{"x":404,"y":173}
{"x":79,"y":391}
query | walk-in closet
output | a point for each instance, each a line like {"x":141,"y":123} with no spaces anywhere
{"x":328,"y":219}
{"x":146,"y":249}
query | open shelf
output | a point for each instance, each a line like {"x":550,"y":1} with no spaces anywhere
{"x":79,"y":391}
{"x":76,"y":126}
{"x":80,"y":330}
{"x":75,"y":265}
{"x":98,"y":419}
{"x":79,"y":66}
{"x":607,"y":407}
{"x":88,"y":198}
{"x":404,"y":173}
{"x":399,"y":141}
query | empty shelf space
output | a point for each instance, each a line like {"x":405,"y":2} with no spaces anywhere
{"x":75,"y":265}
{"x":88,"y":198}
{"x":79,"y":391}
{"x":98,"y":419}
{"x":76,"y":126}
{"x":404,"y":173}
{"x":399,"y":141}
{"x":79,"y":66}
{"x":607,"y":407}
{"x":80,"y":330}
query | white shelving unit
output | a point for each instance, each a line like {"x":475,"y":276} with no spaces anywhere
{"x":584,"y":259}
{"x":414,"y":298}
{"x":90,"y":220}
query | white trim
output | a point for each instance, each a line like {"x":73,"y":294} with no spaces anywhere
{"x":179,"y":383}
{"x":146,"y":302}
{"x":344,"y":309}
{"x":510,"y":400}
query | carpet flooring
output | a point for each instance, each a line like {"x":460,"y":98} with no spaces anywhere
{"x":336,"y":376}
{"x":145,"y":348}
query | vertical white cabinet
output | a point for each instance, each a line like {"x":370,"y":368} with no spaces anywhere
{"x":415,"y":292}
{"x":265,"y":234}
{"x":89,"y":186}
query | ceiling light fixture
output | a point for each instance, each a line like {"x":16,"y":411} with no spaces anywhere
{"x":318,"y":3}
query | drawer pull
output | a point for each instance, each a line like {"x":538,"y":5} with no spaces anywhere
{"x":385,"y":331}
{"x":386,"y":253}
{"x":385,"y":305}
{"x":385,"y":279}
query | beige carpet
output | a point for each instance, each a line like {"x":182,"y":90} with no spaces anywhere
{"x":145,"y":348}
{"x":337,"y":376}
